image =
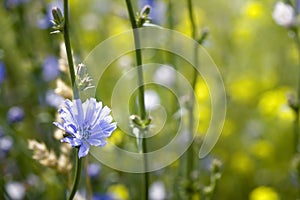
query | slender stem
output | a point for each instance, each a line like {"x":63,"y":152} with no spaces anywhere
{"x":296,"y":131}
{"x":146,"y":174}
{"x":77,"y":176}
{"x":190,"y":153}
{"x":141,"y":91}
{"x":75,"y":91}
{"x":191,"y":18}
{"x":297,"y":114}
{"x":69,"y":49}
{"x":170,"y":15}
{"x":88,"y":181}
{"x":138,"y":53}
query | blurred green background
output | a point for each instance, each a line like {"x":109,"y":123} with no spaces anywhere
{"x":258,"y":61}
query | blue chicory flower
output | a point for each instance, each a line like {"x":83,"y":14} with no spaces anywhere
{"x":85,"y":124}
{"x":93,"y":170}
{"x":50,"y":68}
{"x":6,"y":143}
{"x":2,"y":72}
{"x":15,"y":114}
{"x":53,"y":99}
{"x":9,"y":4}
{"x":99,"y":196}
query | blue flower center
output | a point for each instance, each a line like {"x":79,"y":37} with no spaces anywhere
{"x":85,"y":132}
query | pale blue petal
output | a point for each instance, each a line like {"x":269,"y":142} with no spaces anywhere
{"x":97,"y":136}
{"x":104,"y":129}
{"x":68,"y":103}
{"x":108,"y":119}
{"x":79,"y":112}
{"x":104,"y":112}
{"x":70,"y":128}
{"x":96,"y":142}
{"x":66,"y":115}
{"x":59,"y":125}
{"x":84,"y":149}
{"x":74,"y":142}
{"x":107,"y":127}
{"x":89,"y":110}
{"x":97,"y":114}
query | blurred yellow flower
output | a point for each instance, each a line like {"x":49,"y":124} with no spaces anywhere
{"x":203,"y":98}
{"x":119,"y":191}
{"x":185,"y":26}
{"x":204,"y":118}
{"x":262,"y":149}
{"x":241,"y":163}
{"x":293,"y":53}
{"x":229,"y":128}
{"x":242,"y":32}
{"x":274,"y":104}
{"x":254,"y":10}
{"x":202,"y":92}
{"x":245,"y":29}
{"x":244,"y":89}
{"x":264,"y":193}
{"x":117,"y":137}
{"x":196,"y":196}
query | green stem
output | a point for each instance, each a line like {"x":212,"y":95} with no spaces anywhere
{"x":191,"y":18}
{"x":297,"y":117}
{"x":77,"y":176}
{"x":170,"y":15}
{"x":297,"y":114}
{"x":88,"y":181}
{"x":141,"y":91}
{"x":190,"y":153}
{"x":69,"y":50}
{"x":138,"y":53}
{"x":75,"y":91}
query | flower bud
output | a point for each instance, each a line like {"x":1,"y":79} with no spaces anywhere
{"x":58,"y":20}
{"x":57,"y":15}
{"x":143,"y":16}
{"x":146,"y":10}
{"x":84,"y":81}
{"x":292,"y":101}
{"x":204,"y":34}
{"x":216,"y":168}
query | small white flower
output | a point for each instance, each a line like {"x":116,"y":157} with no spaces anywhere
{"x":284,"y":14}
{"x":15,"y":190}
{"x":165,"y":75}
{"x":157,"y":191}
{"x":152,"y":99}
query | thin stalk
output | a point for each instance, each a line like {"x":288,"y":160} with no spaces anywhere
{"x":77,"y":176}
{"x":297,"y":114}
{"x":75,"y":91}
{"x":88,"y":181}
{"x":297,"y":109}
{"x":190,"y":153}
{"x":141,"y":91}
{"x":170,"y":15}
{"x":296,"y":131}
{"x":138,"y":53}
{"x":69,"y":50}
{"x":191,"y":18}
